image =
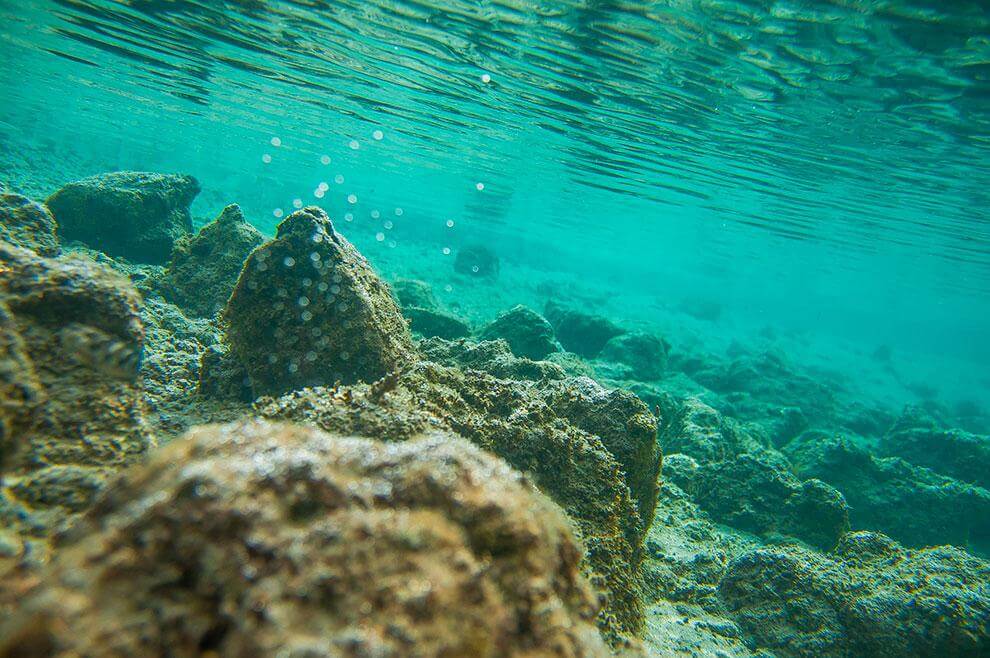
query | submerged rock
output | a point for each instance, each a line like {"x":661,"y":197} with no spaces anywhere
{"x":870,"y":597}
{"x":414,"y":293}
{"x":527,"y":332}
{"x":915,"y":505}
{"x":579,"y":332}
{"x":476,"y":260}
{"x":592,"y":451}
{"x":71,"y":411}
{"x":644,"y":354}
{"x":492,"y":356}
{"x":260,"y":539}
{"x":433,"y":323}
{"x":135,"y":215}
{"x":24,"y":223}
{"x":308,"y":310}
{"x":204,"y":268}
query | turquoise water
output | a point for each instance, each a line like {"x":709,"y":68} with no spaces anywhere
{"x":816,"y":168}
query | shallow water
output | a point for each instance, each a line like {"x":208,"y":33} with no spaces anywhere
{"x":777,"y":211}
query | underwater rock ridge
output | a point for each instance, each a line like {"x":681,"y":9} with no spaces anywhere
{"x":309,"y":310}
{"x":254,"y":539}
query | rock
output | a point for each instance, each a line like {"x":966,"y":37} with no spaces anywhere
{"x":912,"y":504}
{"x":134,"y":215}
{"x":870,"y":597}
{"x":476,"y":260}
{"x":756,"y":493}
{"x":917,"y":438}
{"x":527,"y":332}
{"x":414,"y":293}
{"x":222,"y":376}
{"x":260,"y":540}
{"x":644,"y":354}
{"x":693,"y":428}
{"x":581,"y":333}
{"x":578,"y":456}
{"x":431,"y":323}
{"x":71,"y":340}
{"x":204,"y":268}
{"x":24,"y":223}
{"x":491,"y":356}
{"x":308,"y":309}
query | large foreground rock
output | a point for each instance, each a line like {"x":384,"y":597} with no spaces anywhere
{"x":309,"y":310}
{"x":268,"y":540}
{"x":70,"y":399}
{"x":135,"y":215}
{"x":594,"y":452}
{"x":204,"y":268}
{"x":870,"y":597}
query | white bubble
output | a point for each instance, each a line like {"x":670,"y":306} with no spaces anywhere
{"x":354,"y":144}
{"x":380,"y":236}
{"x":278,"y":212}
{"x":375,"y":214}
{"x":289,"y":261}
{"x":303,"y":301}
{"x":311,"y":356}
{"x":475,"y":268}
{"x":448,"y":287}
{"x":486,"y":78}
{"x":317,"y":238}
{"x":318,"y":193}
{"x":398,"y":212}
{"x":479,"y":186}
{"x":446,"y":251}
{"x":378,"y":135}
{"x":266,"y":158}
{"x":338,"y":179}
{"x":349,"y":217}
{"x":315,"y":257}
{"x":450,"y":223}
{"x":323,"y":186}
{"x":334,"y":289}
{"x":351,"y":198}
{"x":322,"y":286}
{"x":325,"y":159}
{"x":293,"y":367}
{"x":388,"y":225}
{"x":276,"y":142}
{"x":391,"y":244}
{"x":297,"y":203}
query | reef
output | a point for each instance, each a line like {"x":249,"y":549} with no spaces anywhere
{"x":253,"y":539}
{"x":397,"y":483}
{"x":134,"y":215}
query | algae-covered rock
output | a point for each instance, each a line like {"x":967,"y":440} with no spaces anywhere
{"x":136,"y":215}
{"x":915,"y":505}
{"x":579,"y":332}
{"x":434,"y":323}
{"x":644,"y":354}
{"x":870,"y":597}
{"x":476,"y":260}
{"x":757,"y":493}
{"x":693,"y":428}
{"x":203,"y":269}
{"x":71,"y":410}
{"x":257,"y":539}
{"x":492,"y":356}
{"x":308,"y":310}
{"x":414,"y":293}
{"x":527,"y":332}
{"x":919,"y":439}
{"x":25,"y":223}
{"x":585,"y":460}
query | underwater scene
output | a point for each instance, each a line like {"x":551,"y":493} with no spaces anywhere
{"x":482,"y":328}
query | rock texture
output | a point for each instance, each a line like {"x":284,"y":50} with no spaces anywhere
{"x":579,"y":332}
{"x":71,"y":411}
{"x":204,"y":268}
{"x":433,"y":323}
{"x":527,"y":332}
{"x":309,"y":310}
{"x":134,"y":215}
{"x":593,"y":452}
{"x":262,"y":540}
{"x":871,"y":597}
{"x":24,"y":223}
{"x":643,"y":354}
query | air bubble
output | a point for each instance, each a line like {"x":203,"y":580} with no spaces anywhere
{"x":289,"y":261}
{"x":306,"y":316}
{"x":348,"y":217}
{"x":297,"y":203}
{"x":479,"y":186}
{"x":354,"y":144}
{"x":351,"y":198}
{"x":450,"y":223}
{"x":266,"y":158}
{"x":388,"y":225}
{"x":315,"y":257}
{"x":339,"y":179}
{"x":375,"y":214}
{"x":318,"y":193}
{"x":475,"y":269}
{"x":446,"y":251}
{"x":293,"y":367}
{"x":325,"y":159}
{"x":303,"y":301}
{"x":486,"y":78}
{"x":378,"y":135}
{"x":398,"y":212}
{"x":380,"y":236}
{"x":278,"y":212}
{"x":275,"y":141}
{"x":323,"y":186}
{"x":317,"y":238}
